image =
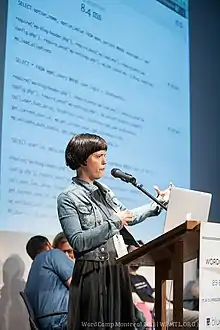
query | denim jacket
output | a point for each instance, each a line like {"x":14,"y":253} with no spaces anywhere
{"x":82,"y":221}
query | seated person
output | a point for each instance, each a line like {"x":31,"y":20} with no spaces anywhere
{"x":144,"y":292}
{"x":141,"y":286}
{"x":191,"y":294}
{"x":140,"y":242}
{"x":195,"y":289}
{"x":47,"y":287}
{"x":141,"y":306}
{"x":60,"y":242}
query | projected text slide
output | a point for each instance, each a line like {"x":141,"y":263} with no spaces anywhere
{"x":78,"y":67}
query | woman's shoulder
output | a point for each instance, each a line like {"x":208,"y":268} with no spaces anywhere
{"x":70,"y":193}
{"x":76,"y":194}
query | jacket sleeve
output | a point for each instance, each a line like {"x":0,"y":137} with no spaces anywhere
{"x":142,"y":212}
{"x":83,"y":240}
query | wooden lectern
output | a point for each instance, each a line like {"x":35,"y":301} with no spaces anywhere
{"x":168,"y":253}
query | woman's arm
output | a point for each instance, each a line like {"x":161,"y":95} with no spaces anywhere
{"x":145,"y":211}
{"x":84,"y":240}
{"x":140,"y":213}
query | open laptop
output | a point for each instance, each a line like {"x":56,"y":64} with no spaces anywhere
{"x":185,"y":204}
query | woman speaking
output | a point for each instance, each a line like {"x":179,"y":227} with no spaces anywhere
{"x":91,"y":218}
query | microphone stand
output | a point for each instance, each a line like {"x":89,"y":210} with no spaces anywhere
{"x":140,"y":187}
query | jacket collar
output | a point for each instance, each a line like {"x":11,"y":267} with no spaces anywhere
{"x":90,"y":187}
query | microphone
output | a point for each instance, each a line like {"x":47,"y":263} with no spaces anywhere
{"x":126,"y":177}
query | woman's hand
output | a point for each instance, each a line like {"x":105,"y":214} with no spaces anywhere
{"x":165,"y":194}
{"x":125,"y":217}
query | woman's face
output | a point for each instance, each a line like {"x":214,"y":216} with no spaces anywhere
{"x":95,"y":165}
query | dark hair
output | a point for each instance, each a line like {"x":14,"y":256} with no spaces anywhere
{"x":36,"y":245}
{"x":140,"y":242}
{"x":80,"y":147}
{"x":59,"y":239}
{"x":131,"y":248}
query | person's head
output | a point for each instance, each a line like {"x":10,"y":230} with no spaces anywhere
{"x":133,"y":267}
{"x":36,"y":245}
{"x":86,"y":153}
{"x":60,"y":242}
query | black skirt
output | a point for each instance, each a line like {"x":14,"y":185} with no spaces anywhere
{"x":100,"y":298}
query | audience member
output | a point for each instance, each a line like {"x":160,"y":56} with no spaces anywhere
{"x":60,"y":242}
{"x":47,"y":287}
{"x":144,"y":291}
{"x":140,"y":242}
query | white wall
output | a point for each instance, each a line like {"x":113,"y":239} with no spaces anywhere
{"x":14,"y":268}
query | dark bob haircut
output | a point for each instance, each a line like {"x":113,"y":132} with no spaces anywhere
{"x":80,"y":147}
